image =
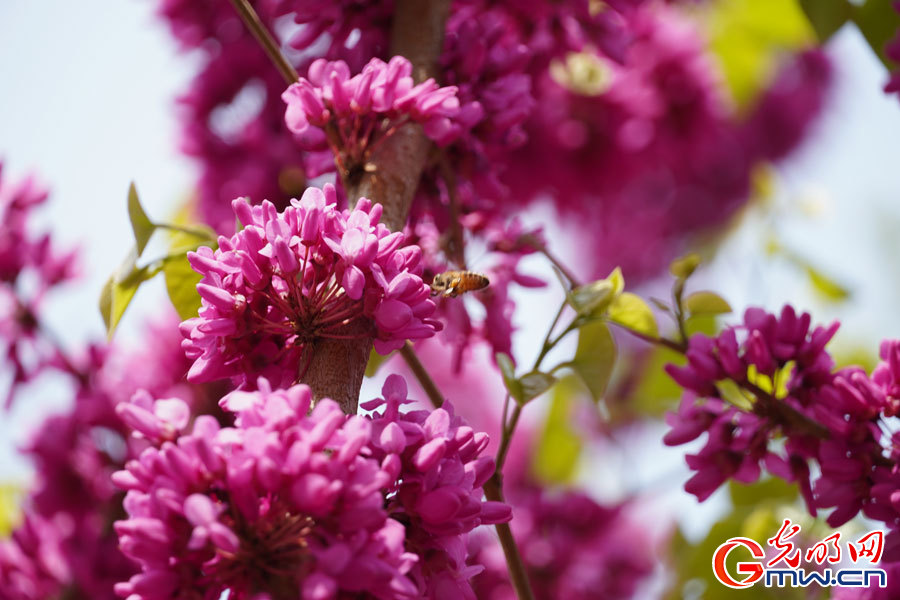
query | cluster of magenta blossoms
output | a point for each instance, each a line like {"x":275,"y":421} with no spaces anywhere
{"x":31,"y":267}
{"x":786,"y":388}
{"x":352,"y":115}
{"x":290,"y":501}
{"x":289,"y":279}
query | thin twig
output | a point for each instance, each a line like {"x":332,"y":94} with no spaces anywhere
{"x":265,"y":39}
{"x":517,"y":574}
{"x":559,"y":265}
{"x":506,"y":437}
{"x":415,"y":365}
{"x":457,"y":242}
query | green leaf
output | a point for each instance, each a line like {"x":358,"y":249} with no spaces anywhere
{"x":826,"y":16}
{"x":181,"y":279}
{"x":593,"y":298}
{"x":10,"y":508}
{"x":878,"y":22}
{"x":595,"y":357}
{"x":375,"y":362}
{"x":508,"y":370}
{"x":534,"y":384}
{"x":559,"y":447}
{"x":141,"y":224}
{"x":749,"y":37}
{"x":706,"y":303}
{"x":825,"y":286}
{"x":630,"y":311}
{"x":181,"y":285}
{"x":120,"y":288}
{"x":684,"y":267}
{"x":770,"y":490}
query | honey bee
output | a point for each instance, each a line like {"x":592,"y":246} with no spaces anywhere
{"x":451,"y":284}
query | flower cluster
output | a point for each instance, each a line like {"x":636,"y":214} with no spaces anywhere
{"x":30,"y":268}
{"x":785,"y":385}
{"x":352,"y":30}
{"x":354,"y":114}
{"x":316,"y":502}
{"x":290,"y":278}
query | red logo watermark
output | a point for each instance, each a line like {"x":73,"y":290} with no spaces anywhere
{"x":827,"y":552}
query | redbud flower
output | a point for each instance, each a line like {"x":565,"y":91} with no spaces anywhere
{"x":294,"y":277}
{"x":317,"y":502}
{"x":827,"y":417}
{"x":357,"y":113}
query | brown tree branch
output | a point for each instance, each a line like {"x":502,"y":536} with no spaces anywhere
{"x":337,"y":367}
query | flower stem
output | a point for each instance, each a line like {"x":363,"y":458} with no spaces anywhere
{"x":418,"y":369}
{"x":517,"y":574}
{"x":265,"y":39}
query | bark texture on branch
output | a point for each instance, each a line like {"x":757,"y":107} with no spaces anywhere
{"x":391,"y":179}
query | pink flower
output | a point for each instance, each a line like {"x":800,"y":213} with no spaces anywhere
{"x":829,"y":418}
{"x":356,"y":113}
{"x":312,"y":501}
{"x":290,"y":278}
{"x":31,"y":267}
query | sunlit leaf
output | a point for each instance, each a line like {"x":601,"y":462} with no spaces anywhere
{"x":825,"y":286}
{"x":120,"y":288}
{"x":593,"y":298}
{"x":534,"y":384}
{"x":630,"y":311}
{"x":375,"y":362}
{"x":748,"y":37}
{"x":683,"y":267}
{"x":181,"y":285}
{"x":508,"y":370}
{"x":559,"y":447}
{"x":706,"y":303}
{"x":826,"y":16}
{"x":141,"y":224}
{"x":181,"y":279}
{"x":10,"y":513}
{"x":595,"y":357}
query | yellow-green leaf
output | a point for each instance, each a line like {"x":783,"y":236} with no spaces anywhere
{"x":595,"y":357}
{"x":749,"y":36}
{"x":141,"y":224}
{"x":10,"y":513}
{"x":683,"y":267}
{"x":534,"y":384}
{"x":706,"y":303}
{"x":181,"y":285}
{"x":120,"y":288}
{"x":630,"y":311}
{"x":825,"y":286}
{"x":375,"y":362}
{"x":593,"y":298}
{"x":508,"y":370}
{"x":559,"y":446}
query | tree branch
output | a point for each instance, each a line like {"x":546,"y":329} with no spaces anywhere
{"x":518,"y":576}
{"x":337,"y":367}
{"x":265,"y":39}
